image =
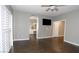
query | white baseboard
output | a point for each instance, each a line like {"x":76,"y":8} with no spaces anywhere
{"x":44,"y":37}
{"x":49,"y":37}
{"x":72,"y":43}
{"x":58,"y":36}
{"x":20,"y":39}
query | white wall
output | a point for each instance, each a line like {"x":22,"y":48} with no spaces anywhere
{"x":21,"y":26}
{"x":71,"y":26}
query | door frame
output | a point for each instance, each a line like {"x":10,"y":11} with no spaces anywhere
{"x":37,"y":27}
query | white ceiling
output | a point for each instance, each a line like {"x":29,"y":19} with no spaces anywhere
{"x":37,"y":9}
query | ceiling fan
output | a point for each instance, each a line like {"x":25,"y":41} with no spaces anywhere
{"x":52,"y":7}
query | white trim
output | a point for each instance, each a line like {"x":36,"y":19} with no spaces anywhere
{"x":44,"y":37}
{"x":37,"y":27}
{"x":58,"y":36}
{"x":72,"y":43}
{"x":20,"y":39}
{"x":49,"y":37}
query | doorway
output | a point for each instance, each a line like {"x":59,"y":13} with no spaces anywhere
{"x":58,"y":28}
{"x":33,"y":27}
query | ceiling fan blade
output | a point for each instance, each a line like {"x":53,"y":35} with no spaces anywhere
{"x":46,"y":5}
{"x":59,"y":5}
{"x":48,"y":9}
{"x":56,"y":9}
{"x":52,"y":9}
{"x":52,"y":5}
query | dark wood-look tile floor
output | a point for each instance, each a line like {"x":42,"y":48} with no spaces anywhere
{"x":50,"y":45}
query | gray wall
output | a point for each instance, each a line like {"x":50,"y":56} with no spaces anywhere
{"x":71,"y":25}
{"x":43,"y":30}
{"x":21,"y":26}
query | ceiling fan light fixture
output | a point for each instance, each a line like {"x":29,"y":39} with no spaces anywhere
{"x":53,"y":7}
